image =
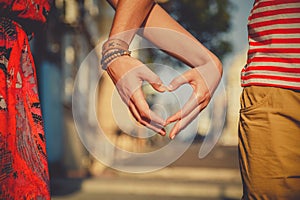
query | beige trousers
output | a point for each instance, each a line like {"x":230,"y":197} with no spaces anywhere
{"x":269,"y":143}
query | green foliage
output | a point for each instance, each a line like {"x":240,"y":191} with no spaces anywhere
{"x":207,"y":20}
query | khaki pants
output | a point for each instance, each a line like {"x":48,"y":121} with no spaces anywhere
{"x":269,"y":143}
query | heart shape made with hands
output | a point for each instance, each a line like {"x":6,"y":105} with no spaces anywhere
{"x":129,"y":74}
{"x":175,"y":105}
{"x":192,"y":101}
{"x":164,"y":104}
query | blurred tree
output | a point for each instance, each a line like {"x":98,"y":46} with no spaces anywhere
{"x":207,"y":20}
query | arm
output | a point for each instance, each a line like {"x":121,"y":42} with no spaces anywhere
{"x":128,"y":73}
{"x":207,"y":68}
{"x":159,"y":18}
{"x":129,"y":15}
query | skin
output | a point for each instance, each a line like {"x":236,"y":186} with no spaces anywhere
{"x":130,"y":15}
{"x":203,"y":77}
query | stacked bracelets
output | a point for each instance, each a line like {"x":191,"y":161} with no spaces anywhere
{"x":112,"y":49}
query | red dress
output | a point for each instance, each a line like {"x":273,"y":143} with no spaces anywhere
{"x":23,"y":159}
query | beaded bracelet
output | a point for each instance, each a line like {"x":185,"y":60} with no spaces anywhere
{"x":111,"y":55}
{"x":112,"y":49}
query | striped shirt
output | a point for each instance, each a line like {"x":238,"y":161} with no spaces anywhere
{"x":274,"y":45}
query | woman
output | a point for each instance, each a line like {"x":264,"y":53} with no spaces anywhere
{"x":23,"y":159}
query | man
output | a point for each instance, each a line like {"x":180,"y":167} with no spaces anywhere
{"x":269,"y":127}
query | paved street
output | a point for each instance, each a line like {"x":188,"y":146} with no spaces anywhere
{"x":215,"y":177}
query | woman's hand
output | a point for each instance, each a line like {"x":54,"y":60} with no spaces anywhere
{"x":204,"y":80}
{"x":128,"y":75}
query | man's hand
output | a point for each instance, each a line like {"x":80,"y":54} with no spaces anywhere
{"x":204,"y":80}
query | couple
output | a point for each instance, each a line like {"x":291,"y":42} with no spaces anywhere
{"x":269,"y":129}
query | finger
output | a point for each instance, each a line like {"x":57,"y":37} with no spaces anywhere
{"x":181,"y":124}
{"x":188,"y":107}
{"x":145,"y":115}
{"x":184,"y":122}
{"x":143,"y":109}
{"x":160,"y":87}
{"x":138,"y":118}
{"x":177,"y":82}
{"x":154,"y":80}
{"x":175,"y":130}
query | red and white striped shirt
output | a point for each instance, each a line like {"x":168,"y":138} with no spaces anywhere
{"x":274,"y":45}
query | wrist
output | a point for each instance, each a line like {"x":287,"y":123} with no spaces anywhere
{"x":211,"y":73}
{"x":111,"y":50}
{"x":111,"y":44}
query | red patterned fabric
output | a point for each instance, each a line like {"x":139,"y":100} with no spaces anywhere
{"x":23,"y":159}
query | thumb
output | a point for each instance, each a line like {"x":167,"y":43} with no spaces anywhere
{"x":155,"y":81}
{"x":177,"y":82}
{"x":158,"y":86}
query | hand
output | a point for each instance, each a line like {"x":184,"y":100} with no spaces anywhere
{"x":128,"y":75}
{"x":204,"y":80}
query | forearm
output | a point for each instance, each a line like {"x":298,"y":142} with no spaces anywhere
{"x":130,"y":15}
{"x":189,"y":51}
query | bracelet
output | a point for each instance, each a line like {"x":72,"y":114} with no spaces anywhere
{"x":111,"y":44}
{"x":111,"y":55}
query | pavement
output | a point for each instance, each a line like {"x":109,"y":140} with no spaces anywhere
{"x":215,"y":177}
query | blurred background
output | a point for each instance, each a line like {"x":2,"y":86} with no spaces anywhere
{"x":75,"y":28}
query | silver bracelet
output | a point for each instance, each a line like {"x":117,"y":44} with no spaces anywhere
{"x":111,"y":55}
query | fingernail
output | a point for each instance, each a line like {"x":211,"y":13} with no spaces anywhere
{"x":163,"y":132}
{"x":172,"y":137}
{"x":159,"y":84}
{"x":170,"y":87}
{"x":163,"y":88}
